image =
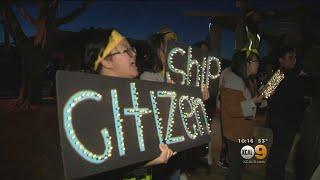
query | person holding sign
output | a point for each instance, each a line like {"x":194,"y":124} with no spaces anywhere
{"x":170,"y":171}
{"x":113,"y":56}
{"x":157,"y":59}
{"x":239,"y":101}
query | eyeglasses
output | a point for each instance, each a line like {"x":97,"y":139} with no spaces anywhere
{"x":130,"y":51}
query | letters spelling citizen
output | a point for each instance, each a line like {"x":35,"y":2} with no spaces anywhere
{"x":133,"y":117}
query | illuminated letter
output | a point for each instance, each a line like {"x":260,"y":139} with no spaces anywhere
{"x":156,"y":114}
{"x":190,"y":63}
{"x":172,"y":68}
{"x":118,"y":122}
{"x":204,"y":64}
{"x":208,"y":73}
{"x":169,"y":138}
{"x":137,"y":113}
{"x":184,"y":117}
{"x":196,"y":103}
{"x":71,"y":135}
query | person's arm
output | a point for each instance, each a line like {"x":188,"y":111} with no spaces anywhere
{"x":74,"y":14}
{"x":235,"y":107}
{"x":205,"y":93}
{"x":164,"y":156}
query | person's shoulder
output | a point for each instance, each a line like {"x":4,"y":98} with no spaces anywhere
{"x":148,"y":73}
{"x":228,"y":75}
{"x":232,"y":81}
{"x":151,"y":76}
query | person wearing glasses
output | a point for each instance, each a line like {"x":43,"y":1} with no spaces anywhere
{"x":112,"y":55}
{"x":238,"y":103}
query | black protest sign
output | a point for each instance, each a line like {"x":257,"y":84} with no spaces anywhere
{"x":191,"y":66}
{"x":106,"y":123}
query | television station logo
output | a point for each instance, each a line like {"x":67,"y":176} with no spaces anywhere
{"x":254,"y":153}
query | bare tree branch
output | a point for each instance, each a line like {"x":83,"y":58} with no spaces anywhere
{"x":54,"y":4}
{"x":74,"y":14}
{"x":14,"y":26}
{"x":6,"y":33}
{"x":24,"y":13}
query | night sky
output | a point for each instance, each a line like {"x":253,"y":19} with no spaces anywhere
{"x":139,"y":19}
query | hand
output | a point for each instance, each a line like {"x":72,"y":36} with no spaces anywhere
{"x":273,"y":92}
{"x":171,"y":81}
{"x":302,"y":73}
{"x":163,"y":158}
{"x":258,"y":99}
{"x":166,"y":153}
{"x":205,"y":92}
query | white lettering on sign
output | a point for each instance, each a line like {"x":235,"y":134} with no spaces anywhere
{"x":203,"y":69}
{"x":72,"y":136}
{"x":195,"y":104}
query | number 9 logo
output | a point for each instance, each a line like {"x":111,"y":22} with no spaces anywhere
{"x":260,"y":151}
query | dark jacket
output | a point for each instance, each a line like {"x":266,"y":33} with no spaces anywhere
{"x":287,"y":105}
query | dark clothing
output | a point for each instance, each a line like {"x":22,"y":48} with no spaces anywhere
{"x":286,"y":106}
{"x":235,"y":161}
{"x":168,"y":171}
{"x":171,"y":170}
{"x":285,"y":114}
{"x":134,"y":170}
{"x":114,"y":175}
{"x":282,"y":142}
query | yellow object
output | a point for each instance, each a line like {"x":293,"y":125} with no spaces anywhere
{"x":147,"y":177}
{"x":114,"y":39}
{"x":249,"y":13}
{"x":253,"y":44}
{"x":162,"y":73}
{"x":169,"y":35}
{"x":249,"y":51}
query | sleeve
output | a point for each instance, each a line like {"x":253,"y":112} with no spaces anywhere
{"x":134,"y":170}
{"x":248,"y":108}
{"x":231,"y":102}
{"x":288,"y":93}
{"x":264,"y":104}
{"x":149,"y":77}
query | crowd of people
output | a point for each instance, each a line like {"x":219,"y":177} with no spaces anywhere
{"x":239,"y":100}
{"x":114,"y":56}
{"x":234,"y":106}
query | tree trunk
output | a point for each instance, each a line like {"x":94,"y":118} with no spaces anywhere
{"x":6,"y":35}
{"x":34,"y":62}
{"x":32,"y":57}
{"x":14,"y":26}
